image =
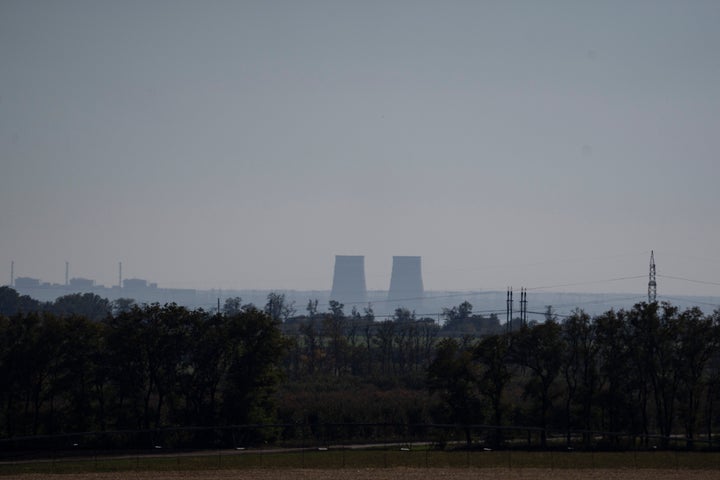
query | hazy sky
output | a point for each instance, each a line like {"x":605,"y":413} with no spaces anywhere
{"x":243,"y":144}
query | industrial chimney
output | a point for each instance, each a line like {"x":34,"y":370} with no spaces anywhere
{"x":406,"y":285}
{"x":349,"y":280}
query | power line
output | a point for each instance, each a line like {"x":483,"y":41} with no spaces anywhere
{"x":623,"y":298}
{"x":590,"y":282}
{"x":685,"y":300}
{"x":555,"y":261}
{"x":702,"y":282}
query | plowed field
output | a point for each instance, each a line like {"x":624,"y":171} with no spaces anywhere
{"x":391,"y":474}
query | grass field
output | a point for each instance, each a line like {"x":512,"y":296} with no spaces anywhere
{"x":249,"y":464}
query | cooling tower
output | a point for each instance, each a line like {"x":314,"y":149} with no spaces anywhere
{"x":406,"y":285}
{"x":349,"y":280}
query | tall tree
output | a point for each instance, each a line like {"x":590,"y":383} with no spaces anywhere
{"x":615,"y":385}
{"x":696,"y":342}
{"x":652,"y":329}
{"x":254,"y":372}
{"x":712,"y":379}
{"x":538,"y":349}
{"x":579,"y":370}
{"x":203,"y":367}
{"x":278,"y":308}
{"x":492,"y":354}
{"x":452,"y":375}
{"x":334,"y":326}
{"x":232,"y":306}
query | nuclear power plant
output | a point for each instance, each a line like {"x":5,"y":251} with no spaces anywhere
{"x":349,"y":279}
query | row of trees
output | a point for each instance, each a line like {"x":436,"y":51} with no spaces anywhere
{"x":357,"y":344}
{"x":138,"y":367}
{"x":649,"y":370}
{"x":145,"y":367}
{"x":88,"y":305}
{"x":652,"y":369}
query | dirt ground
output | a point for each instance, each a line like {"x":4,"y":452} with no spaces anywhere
{"x":392,"y":474}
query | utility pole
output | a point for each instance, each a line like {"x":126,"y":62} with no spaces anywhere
{"x":523,"y":306}
{"x":652,"y":284}
{"x":509,"y":310}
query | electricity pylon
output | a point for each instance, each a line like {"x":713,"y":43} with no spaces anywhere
{"x":652,"y":284}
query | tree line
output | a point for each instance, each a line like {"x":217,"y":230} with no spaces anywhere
{"x":651,"y":369}
{"x":143,"y":367}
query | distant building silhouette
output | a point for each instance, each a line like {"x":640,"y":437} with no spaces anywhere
{"x":81,"y":283}
{"x":349,"y":280}
{"x":135,"y":284}
{"x":406,"y":284}
{"x":26,"y":282}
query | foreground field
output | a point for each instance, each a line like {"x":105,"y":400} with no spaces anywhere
{"x":394,"y":474}
{"x":374,"y":464}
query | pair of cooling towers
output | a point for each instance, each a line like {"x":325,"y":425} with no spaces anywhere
{"x":349,"y":279}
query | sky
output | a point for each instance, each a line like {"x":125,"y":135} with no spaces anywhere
{"x":244,"y":144}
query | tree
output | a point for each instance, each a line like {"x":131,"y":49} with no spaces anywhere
{"x":38,"y":359}
{"x":205,"y":366}
{"x":459,"y":313}
{"x":334,"y":328}
{"x":278,"y":308}
{"x":127,"y":373}
{"x":88,"y":305}
{"x":549,"y":314}
{"x":165,"y":341}
{"x":452,"y":375}
{"x":579,"y":369}
{"x":355,"y":352}
{"x":257,"y":347}
{"x":148,"y":347}
{"x":492,"y":354}
{"x":460,"y":321}
{"x":79,"y":379}
{"x":667,"y":370}
{"x":615,"y":382}
{"x":650,"y":333}
{"x":712,"y":379}
{"x":312,"y":343}
{"x":312,"y":308}
{"x":696,"y":343}
{"x":121,"y":305}
{"x":29,"y":345}
{"x":538,"y":348}
{"x":12,"y":303}
{"x":232,"y":306}
{"x":368,"y":329}
{"x":384,"y":338}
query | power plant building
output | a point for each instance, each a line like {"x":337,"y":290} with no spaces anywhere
{"x":349,"y":280}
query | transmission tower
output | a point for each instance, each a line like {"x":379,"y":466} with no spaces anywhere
{"x":652,"y":284}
